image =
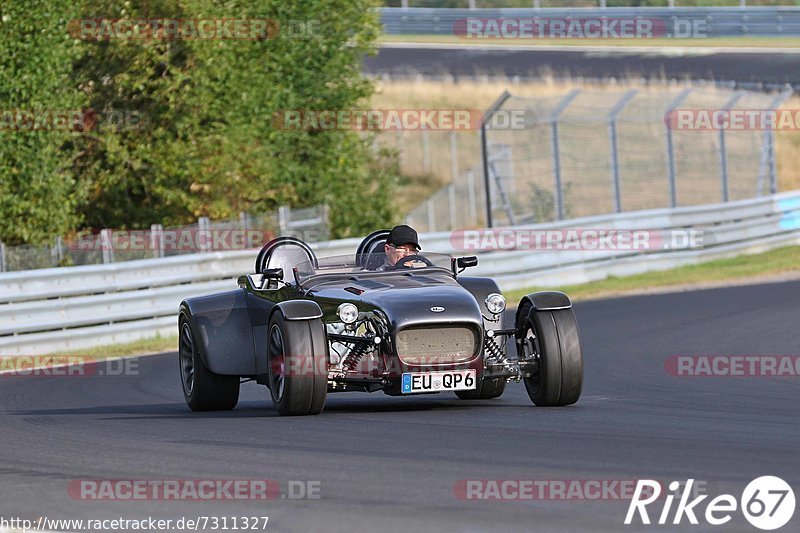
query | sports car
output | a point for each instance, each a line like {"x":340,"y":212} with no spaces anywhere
{"x":307,"y":327}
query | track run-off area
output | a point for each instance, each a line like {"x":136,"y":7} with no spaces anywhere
{"x":372,"y":462}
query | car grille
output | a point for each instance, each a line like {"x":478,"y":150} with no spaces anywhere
{"x":436,"y":345}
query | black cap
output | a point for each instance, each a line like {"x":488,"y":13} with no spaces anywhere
{"x":403,"y":234}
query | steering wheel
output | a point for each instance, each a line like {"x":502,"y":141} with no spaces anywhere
{"x":402,"y":263}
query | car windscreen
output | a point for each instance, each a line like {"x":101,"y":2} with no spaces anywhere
{"x":374,"y":262}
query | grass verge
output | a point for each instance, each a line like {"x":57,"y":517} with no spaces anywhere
{"x":741,"y":268}
{"x":149,"y":346}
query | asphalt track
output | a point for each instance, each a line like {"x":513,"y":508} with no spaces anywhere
{"x":748,"y":67}
{"x":390,"y":464}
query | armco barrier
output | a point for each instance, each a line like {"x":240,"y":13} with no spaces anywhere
{"x":711,"y":21}
{"x":67,"y":309}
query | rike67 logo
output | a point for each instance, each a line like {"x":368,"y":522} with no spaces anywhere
{"x":767,"y":503}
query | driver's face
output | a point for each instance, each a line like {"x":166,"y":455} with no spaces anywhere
{"x":396,"y":253}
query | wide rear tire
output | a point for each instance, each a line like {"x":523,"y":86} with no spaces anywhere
{"x":486,"y":390}
{"x":555,"y":337}
{"x":298,"y":365}
{"x":202,"y":389}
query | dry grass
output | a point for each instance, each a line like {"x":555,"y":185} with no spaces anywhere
{"x":643,"y":188}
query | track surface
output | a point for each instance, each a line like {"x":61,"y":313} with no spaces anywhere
{"x":695,"y":64}
{"x":390,"y":464}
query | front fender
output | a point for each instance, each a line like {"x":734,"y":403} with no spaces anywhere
{"x":545,"y":301}
{"x":480,"y":288}
{"x":299,"y":310}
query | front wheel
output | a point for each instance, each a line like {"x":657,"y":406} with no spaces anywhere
{"x":298,"y":371}
{"x":553,"y":338}
{"x":202,"y":389}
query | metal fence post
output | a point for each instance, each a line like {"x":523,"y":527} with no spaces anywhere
{"x":283,"y":218}
{"x":485,"y":154}
{"x":3,"y":267}
{"x":157,"y":240}
{"x":773,"y":171}
{"x":473,"y":204}
{"x":426,"y":151}
{"x":723,"y":151}
{"x":431,"y":215}
{"x":107,"y":245}
{"x":612,"y":134}
{"x":673,"y":190}
{"x":324,"y":217}
{"x":203,"y":225}
{"x":57,"y":251}
{"x":451,"y":200}
{"x":453,"y":156}
{"x":767,"y":163}
{"x":558,"y":193}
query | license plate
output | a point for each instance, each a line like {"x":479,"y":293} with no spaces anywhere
{"x":414,"y":382}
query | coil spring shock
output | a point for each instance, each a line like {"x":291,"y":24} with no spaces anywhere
{"x":352,"y":359}
{"x":495,"y":354}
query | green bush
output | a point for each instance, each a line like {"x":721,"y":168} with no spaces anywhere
{"x":204,"y":143}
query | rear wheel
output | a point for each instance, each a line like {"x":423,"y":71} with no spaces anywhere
{"x":298,"y":371}
{"x":202,"y":389}
{"x":554,"y":338}
{"x":486,"y":390}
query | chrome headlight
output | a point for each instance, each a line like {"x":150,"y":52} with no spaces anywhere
{"x":495,"y":303}
{"x":348,"y":313}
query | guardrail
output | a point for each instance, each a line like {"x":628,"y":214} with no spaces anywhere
{"x":700,"y":21}
{"x":64,"y":309}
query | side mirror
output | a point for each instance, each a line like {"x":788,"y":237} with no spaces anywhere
{"x":272,"y":273}
{"x":466,"y":262}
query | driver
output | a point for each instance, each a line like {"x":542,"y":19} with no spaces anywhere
{"x":402,"y":242}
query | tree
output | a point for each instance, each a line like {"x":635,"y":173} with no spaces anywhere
{"x":210,"y":146}
{"x":37,"y":194}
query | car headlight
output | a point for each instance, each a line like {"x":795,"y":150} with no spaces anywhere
{"x":495,"y":303}
{"x":348,"y":313}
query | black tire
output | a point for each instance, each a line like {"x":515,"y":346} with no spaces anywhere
{"x":298,"y":372}
{"x":555,"y":337}
{"x":486,"y":390}
{"x":202,"y":389}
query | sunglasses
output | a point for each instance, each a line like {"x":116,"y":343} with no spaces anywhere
{"x":404,"y":248}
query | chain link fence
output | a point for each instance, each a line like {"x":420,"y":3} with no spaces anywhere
{"x":590,"y":152}
{"x":113,"y":246}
